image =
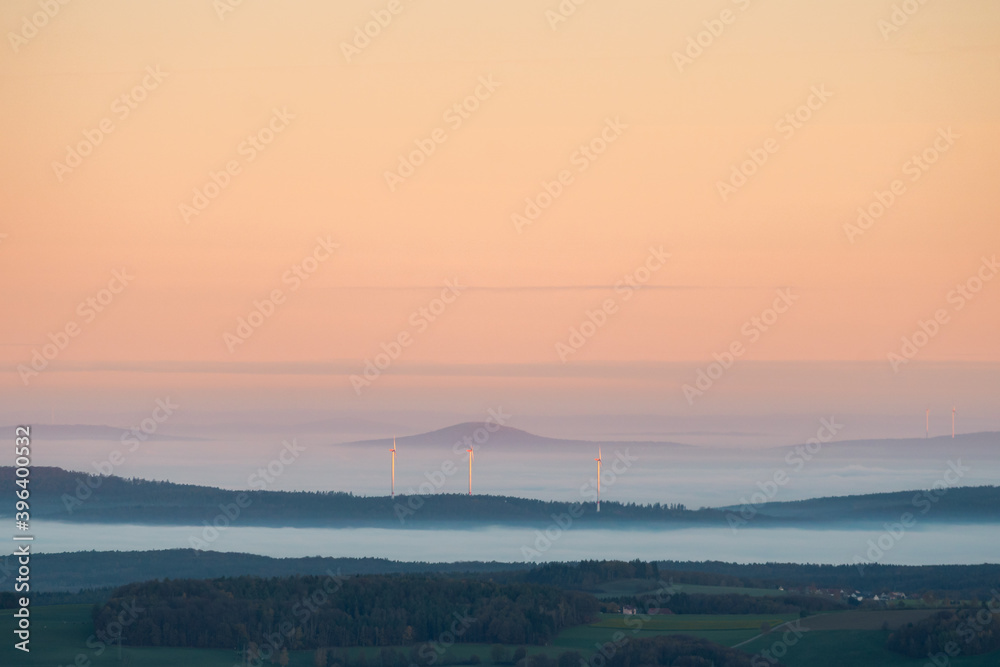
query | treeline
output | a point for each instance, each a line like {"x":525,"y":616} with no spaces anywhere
{"x":385,"y":657}
{"x":95,"y":569}
{"x":942,"y":581}
{"x":311,"y":612}
{"x":954,"y":582}
{"x":966,"y":502}
{"x":680,"y":651}
{"x":731,"y":603}
{"x":87,"y":596}
{"x":74,"y":570}
{"x":672,"y":650}
{"x":590,"y":573}
{"x":965,"y":632}
{"x":72,"y":496}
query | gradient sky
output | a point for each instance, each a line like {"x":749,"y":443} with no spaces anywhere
{"x":656,"y":185}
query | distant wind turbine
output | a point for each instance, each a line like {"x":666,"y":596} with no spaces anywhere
{"x":471,"y":456}
{"x":393,"y":450}
{"x":598,"y":459}
{"x":953,"y":421}
{"x":927,"y":432}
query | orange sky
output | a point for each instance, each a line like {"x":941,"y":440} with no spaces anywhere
{"x":344,"y":124}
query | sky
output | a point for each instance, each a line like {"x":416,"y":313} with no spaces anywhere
{"x":695,"y":165}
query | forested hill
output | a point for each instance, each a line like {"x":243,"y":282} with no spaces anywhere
{"x":58,"y":494}
{"x":71,"y":496}
{"x":77,"y":570}
{"x":107,"y":569}
{"x":948,"y":503}
{"x":338,"y":611}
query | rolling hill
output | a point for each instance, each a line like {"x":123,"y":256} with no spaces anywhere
{"x":62,"y":495}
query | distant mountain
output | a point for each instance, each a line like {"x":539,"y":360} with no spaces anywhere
{"x":978,"y":446}
{"x":503,"y":437}
{"x":972,"y":503}
{"x":967,"y":446}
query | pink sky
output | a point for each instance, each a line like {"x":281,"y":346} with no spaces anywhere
{"x":196,"y":86}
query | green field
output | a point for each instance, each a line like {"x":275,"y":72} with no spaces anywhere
{"x":59,"y":638}
{"x":59,"y":634}
{"x":726,"y":630}
{"x":640,"y":586}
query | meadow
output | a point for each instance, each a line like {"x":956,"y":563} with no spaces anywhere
{"x":60,"y":639}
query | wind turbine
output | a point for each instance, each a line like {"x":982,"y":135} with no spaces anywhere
{"x":393,"y":450}
{"x":598,"y":459}
{"x":953,"y":421}
{"x":927,"y":431}
{"x":471,"y":456}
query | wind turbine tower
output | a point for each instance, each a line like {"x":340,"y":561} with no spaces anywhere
{"x":598,"y":459}
{"x":953,"y":421}
{"x":393,"y":450}
{"x":471,"y":456}
{"x":927,"y":428}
